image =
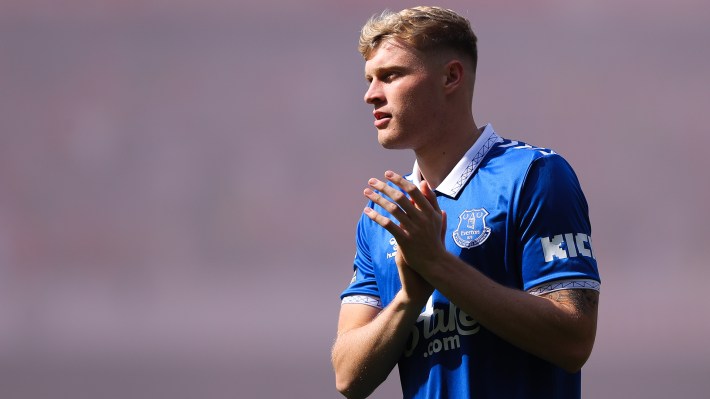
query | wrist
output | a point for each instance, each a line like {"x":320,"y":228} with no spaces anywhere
{"x":431,"y":265}
{"x":414,"y":302}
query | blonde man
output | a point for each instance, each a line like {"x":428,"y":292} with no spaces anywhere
{"x":474,"y":273}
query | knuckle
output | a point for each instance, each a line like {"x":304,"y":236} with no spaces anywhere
{"x":391,"y":207}
{"x":397,"y":196}
{"x":410,"y":188}
{"x":413,"y":191}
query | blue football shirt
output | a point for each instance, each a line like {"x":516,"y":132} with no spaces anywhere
{"x":516,"y":213}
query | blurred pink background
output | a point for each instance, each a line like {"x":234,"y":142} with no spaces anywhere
{"x":180,"y":182}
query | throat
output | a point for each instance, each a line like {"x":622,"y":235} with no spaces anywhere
{"x":437,"y":161}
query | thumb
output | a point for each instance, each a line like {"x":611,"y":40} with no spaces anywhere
{"x":443,"y":226}
{"x":429,"y":194}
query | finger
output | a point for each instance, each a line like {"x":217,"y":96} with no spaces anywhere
{"x":394,"y":194}
{"x":410,"y":188}
{"x":429,"y":194}
{"x":443,"y":226}
{"x":385,"y":222}
{"x":385,"y":203}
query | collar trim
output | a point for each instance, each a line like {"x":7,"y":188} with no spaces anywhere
{"x":464,"y":169}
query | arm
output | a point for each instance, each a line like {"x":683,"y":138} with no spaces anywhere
{"x":559,"y":327}
{"x":369,"y":343}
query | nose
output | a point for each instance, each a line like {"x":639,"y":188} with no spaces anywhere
{"x":374,"y":93}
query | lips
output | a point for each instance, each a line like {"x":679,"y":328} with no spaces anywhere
{"x":381,"y":118}
{"x":381,"y":115}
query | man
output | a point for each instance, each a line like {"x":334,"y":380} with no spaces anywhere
{"x":475,"y":273}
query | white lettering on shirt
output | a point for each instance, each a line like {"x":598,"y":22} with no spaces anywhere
{"x":568,"y":245}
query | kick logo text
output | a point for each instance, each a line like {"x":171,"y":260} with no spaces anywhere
{"x":569,"y":245}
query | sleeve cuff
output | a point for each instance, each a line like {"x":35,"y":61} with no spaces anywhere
{"x":368,"y":300}
{"x":569,"y":284}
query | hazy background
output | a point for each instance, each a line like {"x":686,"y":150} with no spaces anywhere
{"x":180,"y":181}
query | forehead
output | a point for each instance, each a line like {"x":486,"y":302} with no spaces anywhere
{"x":393,"y":53}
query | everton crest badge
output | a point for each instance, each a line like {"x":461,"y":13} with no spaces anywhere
{"x":472,"y":230}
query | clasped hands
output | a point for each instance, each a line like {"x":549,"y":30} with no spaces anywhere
{"x":420,"y":232}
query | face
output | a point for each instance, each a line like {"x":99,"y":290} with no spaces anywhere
{"x":405,"y":91}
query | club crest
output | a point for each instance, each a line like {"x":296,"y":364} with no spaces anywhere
{"x":472,"y":230}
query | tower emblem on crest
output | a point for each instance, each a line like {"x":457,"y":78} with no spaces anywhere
{"x":472,"y":230}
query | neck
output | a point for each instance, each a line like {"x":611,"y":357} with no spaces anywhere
{"x":438,"y":158}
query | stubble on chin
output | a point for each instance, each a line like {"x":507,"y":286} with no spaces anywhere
{"x":396,"y":139}
{"x":389,"y":140}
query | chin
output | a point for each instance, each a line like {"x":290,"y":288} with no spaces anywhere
{"x":391,"y":145}
{"x":391,"y":141}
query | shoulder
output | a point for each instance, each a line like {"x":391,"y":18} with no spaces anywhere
{"x":514,"y":150}
{"x":513,"y":161}
{"x":529,"y":160}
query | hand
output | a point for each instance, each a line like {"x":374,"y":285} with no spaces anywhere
{"x":422,"y":225}
{"x":416,"y":288}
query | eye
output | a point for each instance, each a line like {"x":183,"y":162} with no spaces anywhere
{"x":389,"y":76}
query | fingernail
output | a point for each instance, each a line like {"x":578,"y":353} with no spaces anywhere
{"x":389,"y":174}
{"x":367,"y":211}
{"x":368,"y":191}
{"x":372,"y":181}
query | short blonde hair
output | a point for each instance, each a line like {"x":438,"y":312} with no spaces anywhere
{"x":424,"y":28}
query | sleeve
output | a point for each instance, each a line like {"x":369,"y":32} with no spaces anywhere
{"x":555,"y":244}
{"x":363,"y":282}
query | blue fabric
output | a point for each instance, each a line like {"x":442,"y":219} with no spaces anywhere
{"x":522,"y":220}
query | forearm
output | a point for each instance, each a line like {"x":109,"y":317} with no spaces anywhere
{"x":364,"y":356}
{"x":552,"y":330}
{"x":560,"y":331}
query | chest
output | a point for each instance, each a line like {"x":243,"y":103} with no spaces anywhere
{"x":480,"y":230}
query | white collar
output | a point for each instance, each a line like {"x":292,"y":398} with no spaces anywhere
{"x":459,"y":175}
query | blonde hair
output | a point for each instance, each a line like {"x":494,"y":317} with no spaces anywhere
{"x":424,"y":28}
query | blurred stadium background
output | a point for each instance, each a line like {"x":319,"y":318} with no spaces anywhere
{"x":180,"y":181}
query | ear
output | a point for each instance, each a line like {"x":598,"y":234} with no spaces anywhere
{"x":453,"y":75}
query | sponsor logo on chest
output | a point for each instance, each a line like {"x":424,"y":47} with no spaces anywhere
{"x":438,"y":329}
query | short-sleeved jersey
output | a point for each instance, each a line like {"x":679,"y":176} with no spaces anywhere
{"x":516,"y":213}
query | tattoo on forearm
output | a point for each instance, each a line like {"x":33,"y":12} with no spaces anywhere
{"x":583,"y":300}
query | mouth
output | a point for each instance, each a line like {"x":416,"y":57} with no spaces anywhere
{"x":381,"y":115}
{"x":381,"y":118}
